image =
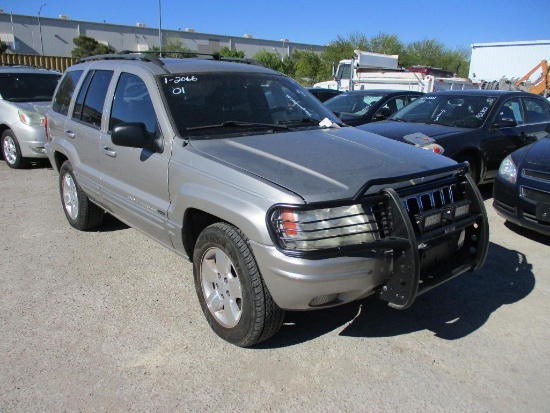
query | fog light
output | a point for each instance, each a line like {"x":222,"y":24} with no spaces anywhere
{"x":428,"y":219}
{"x":462,"y":208}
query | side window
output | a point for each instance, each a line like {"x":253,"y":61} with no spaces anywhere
{"x":511,"y":109}
{"x":91,"y":98}
{"x":536,"y":110}
{"x":132,"y":103}
{"x":65,"y":92}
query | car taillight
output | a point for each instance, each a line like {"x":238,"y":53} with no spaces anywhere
{"x":46,"y":129}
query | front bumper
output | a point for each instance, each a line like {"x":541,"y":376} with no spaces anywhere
{"x":526,"y":205}
{"x":404,"y":262}
{"x":31,"y":140}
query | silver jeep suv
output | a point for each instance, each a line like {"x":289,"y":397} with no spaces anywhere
{"x":25,"y":94}
{"x":241,"y":170}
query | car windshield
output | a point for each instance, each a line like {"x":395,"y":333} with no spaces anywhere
{"x":210,"y":104}
{"x":356,"y":104}
{"x":466,"y":111}
{"x":28,"y":87}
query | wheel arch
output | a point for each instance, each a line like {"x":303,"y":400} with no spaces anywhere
{"x":477,"y":156}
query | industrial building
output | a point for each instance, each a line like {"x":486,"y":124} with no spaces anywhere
{"x":493,"y":61}
{"x":54,"y":37}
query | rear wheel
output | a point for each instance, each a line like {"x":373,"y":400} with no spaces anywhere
{"x":230,"y":288}
{"x":80,"y":212}
{"x":11,"y":151}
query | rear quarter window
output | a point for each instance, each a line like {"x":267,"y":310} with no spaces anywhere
{"x":65,"y":92}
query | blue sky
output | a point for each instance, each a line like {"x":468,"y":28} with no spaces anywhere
{"x":318,"y":22}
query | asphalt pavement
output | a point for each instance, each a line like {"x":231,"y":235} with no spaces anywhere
{"x":108,"y":321}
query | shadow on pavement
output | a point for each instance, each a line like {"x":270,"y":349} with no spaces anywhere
{"x":451,"y":311}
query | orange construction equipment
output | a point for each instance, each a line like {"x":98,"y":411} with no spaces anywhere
{"x":540,"y":86}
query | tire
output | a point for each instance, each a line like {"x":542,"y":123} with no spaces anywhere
{"x":80,"y":212}
{"x":11,"y":151}
{"x":473,"y":169}
{"x":230,"y":288}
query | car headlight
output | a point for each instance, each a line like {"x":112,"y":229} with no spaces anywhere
{"x":31,"y":118}
{"x":317,"y":229}
{"x":508,"y":170}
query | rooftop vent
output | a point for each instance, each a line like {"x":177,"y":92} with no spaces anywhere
{"x":141,"y":25}
{"x":190,"y":30}
{"x":64,"y":17}
{"x":248,"y":36}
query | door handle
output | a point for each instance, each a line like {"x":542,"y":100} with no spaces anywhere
{"x":108,"y":151}
{"x":69,"y":133}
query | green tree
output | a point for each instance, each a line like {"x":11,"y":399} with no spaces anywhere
{"x":269,"y":59}
{"x":227,"y":52}
{"x":3,"y":47}
{"x":173,"y":47}
{"x":386,"y":44}
{"x":307,"y":67}
{"x":88,"y":46}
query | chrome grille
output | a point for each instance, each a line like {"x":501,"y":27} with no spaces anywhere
{"x":432,"y":199}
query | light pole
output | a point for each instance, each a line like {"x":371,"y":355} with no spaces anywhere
{"x":283,"y":52}
{"x":40,"y":31}
{"x":160,"y":29}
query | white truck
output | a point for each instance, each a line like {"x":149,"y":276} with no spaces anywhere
{"x":368,"y":70}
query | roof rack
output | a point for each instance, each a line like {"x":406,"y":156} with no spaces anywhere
{"x":151,"y":56}
{"x":123,"y":55}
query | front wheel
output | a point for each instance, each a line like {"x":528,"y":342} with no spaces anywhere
{"x":11,"y":151}
{"x":80,"y":212}
{"x":474,"y":167}
{"x":230,"y":288}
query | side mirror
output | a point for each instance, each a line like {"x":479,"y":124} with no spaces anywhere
{"x":135,"y":135}
{"x":382,"y":114}
{"x":504,"y":123}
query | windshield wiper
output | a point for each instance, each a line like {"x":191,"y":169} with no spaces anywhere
{"x":234,"y":123}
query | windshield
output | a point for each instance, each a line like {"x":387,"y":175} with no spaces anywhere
{"x":356,"y":104}
{"x":466,"y":111}
{"x":207,"y":104}
{"x":28,"y":87}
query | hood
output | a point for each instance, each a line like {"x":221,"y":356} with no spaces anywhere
{"x":538,"y":155}
{"x":321,"y":164}
{"x":38,"y":107}
{"x":398,"y":130}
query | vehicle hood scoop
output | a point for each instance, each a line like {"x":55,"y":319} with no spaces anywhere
{"x":321,"y":164}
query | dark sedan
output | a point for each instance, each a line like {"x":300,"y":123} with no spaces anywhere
{"x":478,"y":126}
{"x":521,"y":192}
{"x":363,"y":106}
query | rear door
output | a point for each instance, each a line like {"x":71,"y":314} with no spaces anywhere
{"x":82,"y":130}
{"x":135,"y":181}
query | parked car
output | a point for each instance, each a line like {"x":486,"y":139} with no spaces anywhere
{"x":363,"y":106}
{"x":25,"y":93}
{"x":323,"y":94}
{"x":278,"y":205}
{"x":478,"y":126}
{"x":521,"y":192}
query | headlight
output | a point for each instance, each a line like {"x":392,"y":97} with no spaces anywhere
{"x":308,"y":230}
{"x":508,"y":170}
{"x":31,"y":118}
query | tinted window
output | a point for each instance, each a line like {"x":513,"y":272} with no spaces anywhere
{"x":28,"y":87}
{"x":91,"y":98}
{"x":65,"y":92}
{"x":537,"y":110}
{"x":132,"y":103}
{"x":510,"y":110}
